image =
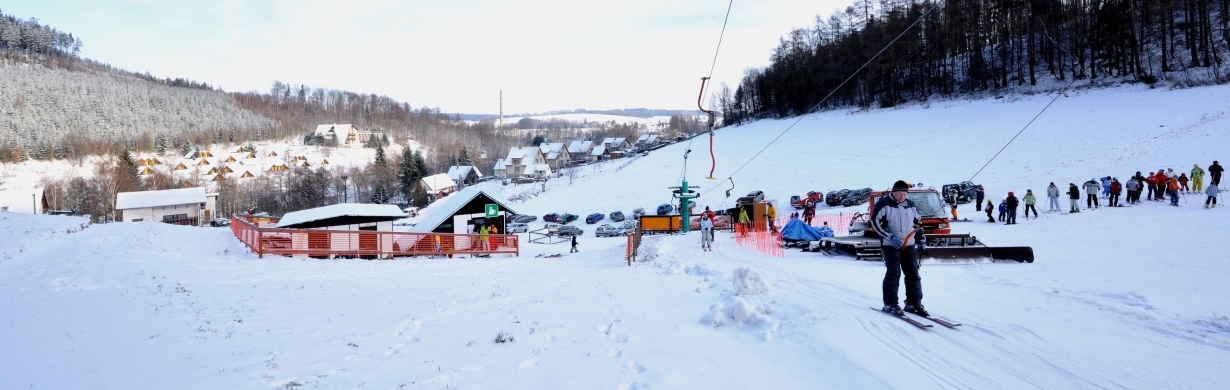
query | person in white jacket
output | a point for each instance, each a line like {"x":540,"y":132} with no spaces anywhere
{"x":1091,"y":191}
{"x":1212,"y":191}
{"x":706,"y":232}
{"x":1052,"y":193}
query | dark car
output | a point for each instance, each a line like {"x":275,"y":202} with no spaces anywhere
{"x":553,"y":217}
{"x":665,"y":209}
{"x":856,"y":197}
{"x":617,"y":216}
{"x":567,"y":218}
{"x":753,"y":197}
{"x":524,"y":218}
{"x":569,"y":230}
{"x":594,"y":218}
{"x":835,"y":197}
{"x":967,"y":191}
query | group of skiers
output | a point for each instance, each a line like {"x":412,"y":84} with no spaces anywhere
{"x":1156,"y":186}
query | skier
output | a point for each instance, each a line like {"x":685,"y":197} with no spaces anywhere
{"x":1003,"y":211}
{"x":712,"y":217}
{"x":1159,"y":184}
{"x":990,"y":207}
{"x":1172,"y":189}
{"x":1215,"y":174}
{"x":1133,"y":190}
{"x":706,"y":231}
{"x":1052,"y":194}
{"x":1183,"y":182}
{"x":980,"y":194}
{"x":952,"y":201}
{"x":1091,"y":191}
{"x":1115,"y":189}
{"x":1212,"y":192}
{"x":1197,"y":178}
{"x":809,"y":213}
{"x":1029,"y":203}
{"x":1012,"y":203}
{"x":1074,"y":197}
{"x":747,"y":224}
{"x":574,"y":245}
{"x":896,"y":219}
{"x":1105,"y":186}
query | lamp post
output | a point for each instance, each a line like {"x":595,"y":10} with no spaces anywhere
{"x":33,"y":204}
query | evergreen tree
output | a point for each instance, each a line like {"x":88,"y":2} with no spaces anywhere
{"x":407,"y":172}
{"x":463,"y":158}
{"x":421,"y":163}
{"x":380,"y":158}
{"x":128,"y":165}
{"x":184,"y":148}
{"x":160,"y":144}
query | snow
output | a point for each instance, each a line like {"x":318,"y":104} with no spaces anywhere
{"x":441,"y":210}
{"x":438,"y":182}
{"x":341,"y":210}
{"x":27,"y":201}
{"x":1118,"y":297}
{"x":144,"y":199}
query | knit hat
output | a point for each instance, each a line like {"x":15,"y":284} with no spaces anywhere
{"x":901,"y":185}
{"x":1009,"y":193}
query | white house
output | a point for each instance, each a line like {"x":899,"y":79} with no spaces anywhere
{"x":579,"y":149}
{"x":647,"y":141}
{"x":555,"y":154}
{"x":184,"y":206}
{"x":520,"y":158}
{"x":598,"y":153}
{"x":347,"y":135}
{"x":464,"y":174}
{"x":438,"y":185}
{"x":23,"y":201}
{"x":617,"y":145}
{"x":344,"y":216}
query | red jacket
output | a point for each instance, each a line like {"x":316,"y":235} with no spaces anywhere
{"x":1173,"y":185}
{"x":1115,"y":187}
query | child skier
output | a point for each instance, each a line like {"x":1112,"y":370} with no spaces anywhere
{"x":990,"y":207}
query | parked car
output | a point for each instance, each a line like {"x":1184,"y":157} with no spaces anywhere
{"x":835,"y":197}
{"x":606,"y":230}
{"x":665,"y":209}
{"x":617,"y":216}
{"x":967,"y":191}
{"x":553,"y":217}
{"x":627,"y":228}
{"x":637,"y":213}
{"x":568,"y":218}
{"x":569,"y":230}
{"x":220,"y":222}
{"x":516,"y":227}
{"x":796,"y":201}
{"x":524,"y":218}
{"x":594,"y":218}
{"x":856,"y":197}
{"x":756,"y":196}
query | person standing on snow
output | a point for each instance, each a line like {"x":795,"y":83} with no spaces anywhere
{"x":771,"y":217}
{"x":1197,"y":178}
{"x":897,"y":222}
{"x":706,"y":230}
{"x":1132,"y":187}
{"x":747,"y":224}
{"x":980,"y":194}
{"x":989,"y":208}
{"x":1115,"y":189}
{"x":1183,"y":182}
{"x":1215,"y":174}
{"x":1159,"y":181}
{"x":1012,"y":203}
{"x":1212,"y":192}
{"x":952,"y":202}
{"x":1074,"y":196}
{"x":1105,"y":186}
{"x":1172,"y":189}
{"x":1091,"y":191}
{"x":574,"y":245}
{"x":1052,"y":194}
{"x":1029,"y":204}
{"x":1003,"y":211}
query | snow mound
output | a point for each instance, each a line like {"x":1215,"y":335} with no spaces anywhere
{"x":743,"y":314}
{"x":748,"y":282}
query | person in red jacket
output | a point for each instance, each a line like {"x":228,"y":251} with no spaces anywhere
{"x":1172,"y":189}
{"x":1115,"y":189}
{"x":1159,"y":181}
{"x":1183,"y":182}
{"x":1151,"y":184}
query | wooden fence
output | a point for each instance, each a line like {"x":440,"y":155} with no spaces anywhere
{"x":364,"y":244}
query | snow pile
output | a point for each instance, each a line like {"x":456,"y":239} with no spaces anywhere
{"x":748,"y":282}
{"x":24,"y":231}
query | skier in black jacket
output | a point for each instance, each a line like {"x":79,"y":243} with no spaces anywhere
{"x":1074,"y":195}
{"x":1012,"y":204}
{"x":1215,"y":173}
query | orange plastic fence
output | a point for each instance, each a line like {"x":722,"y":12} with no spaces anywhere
{"x":758,"y":236}
{"x":366,"y":244}
{"x":840,"y":222}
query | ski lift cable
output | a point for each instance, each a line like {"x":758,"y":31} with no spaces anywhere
{"x":830,"y":94}
{"x":1061,"y":92}
{"x":712,"y":66}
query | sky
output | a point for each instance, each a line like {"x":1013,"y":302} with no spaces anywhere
{"x":544,"y":55}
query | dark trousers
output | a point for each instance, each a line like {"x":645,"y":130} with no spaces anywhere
{"x":1174,"y":197}
{"x":1212,"y":200}
{"x":1160,"y":191}
{"x":1217,"y":178}
{"x":1114,"y":200}
{"x":1030,"y":207}
{"x":1150,"y":187}
{"x":978,"y":205}
{"x":897,"y":262}
{"x":989,"y":218}
{"x":1011,"y":215}
{"x":1091,"y":200}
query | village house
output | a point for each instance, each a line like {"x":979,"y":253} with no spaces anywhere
{"x":579,"y":150}
{"x":555,"y":155}
{"x":347,"y":135}
{"x":31,"y":201}
{"x":522,"y":162}
{"x":183,"y":206}
{"x":465,"y":175}
{"x":437,"y":186}
{"x":647,"y":141}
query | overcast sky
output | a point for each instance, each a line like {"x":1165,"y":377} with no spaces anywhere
{"x":456,"y":55}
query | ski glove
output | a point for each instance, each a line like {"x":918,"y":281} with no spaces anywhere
{"x":894,"y":241}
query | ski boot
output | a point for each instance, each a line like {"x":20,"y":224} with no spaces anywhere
{"x":916,"y":309}
{"x":892,"y":309}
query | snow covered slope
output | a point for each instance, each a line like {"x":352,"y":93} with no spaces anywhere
{"x":1129,"y":297}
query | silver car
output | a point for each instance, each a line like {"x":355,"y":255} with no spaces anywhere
{"x":607,"y":230}
{"x":516,"y":228}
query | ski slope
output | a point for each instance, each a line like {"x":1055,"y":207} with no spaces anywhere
{"x":1129,"y":297}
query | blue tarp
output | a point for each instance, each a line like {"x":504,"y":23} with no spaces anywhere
{"x":796,"y":230}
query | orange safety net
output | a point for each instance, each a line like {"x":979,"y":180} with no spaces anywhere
{"x":760,"y":237}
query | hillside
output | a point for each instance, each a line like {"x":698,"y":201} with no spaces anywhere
{"x":1126,"y":297}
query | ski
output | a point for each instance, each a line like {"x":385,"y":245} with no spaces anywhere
{"x":905,"y":318}
{"x":941,"y":321}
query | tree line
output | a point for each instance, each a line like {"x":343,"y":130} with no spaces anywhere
{"x":963,"y":47}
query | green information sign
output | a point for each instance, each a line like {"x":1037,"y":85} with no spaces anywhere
{"x":491,"y":210}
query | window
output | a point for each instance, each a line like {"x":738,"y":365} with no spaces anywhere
{"x":138,"y":219}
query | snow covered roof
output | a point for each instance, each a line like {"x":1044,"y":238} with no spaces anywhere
{"x":647,"y":139}
{"x":143,"y":199}
{"x":551,"y":150}
{"x":338,"y":129}
{"x":352,"y":212}
{"x":458,"y":172}
{"x":442,"y":210}
{"x":598,"y":151}
{"x":22,"y":201}
{"x":438,"y":182}
{"x":580,"y":147}
{"x":533,"y":169}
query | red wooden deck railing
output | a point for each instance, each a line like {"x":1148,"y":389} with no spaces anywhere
{"x":364,"y":244}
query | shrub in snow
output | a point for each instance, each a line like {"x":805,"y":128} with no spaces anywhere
{"x":503,"y":338}
{"x":748,"y":282}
